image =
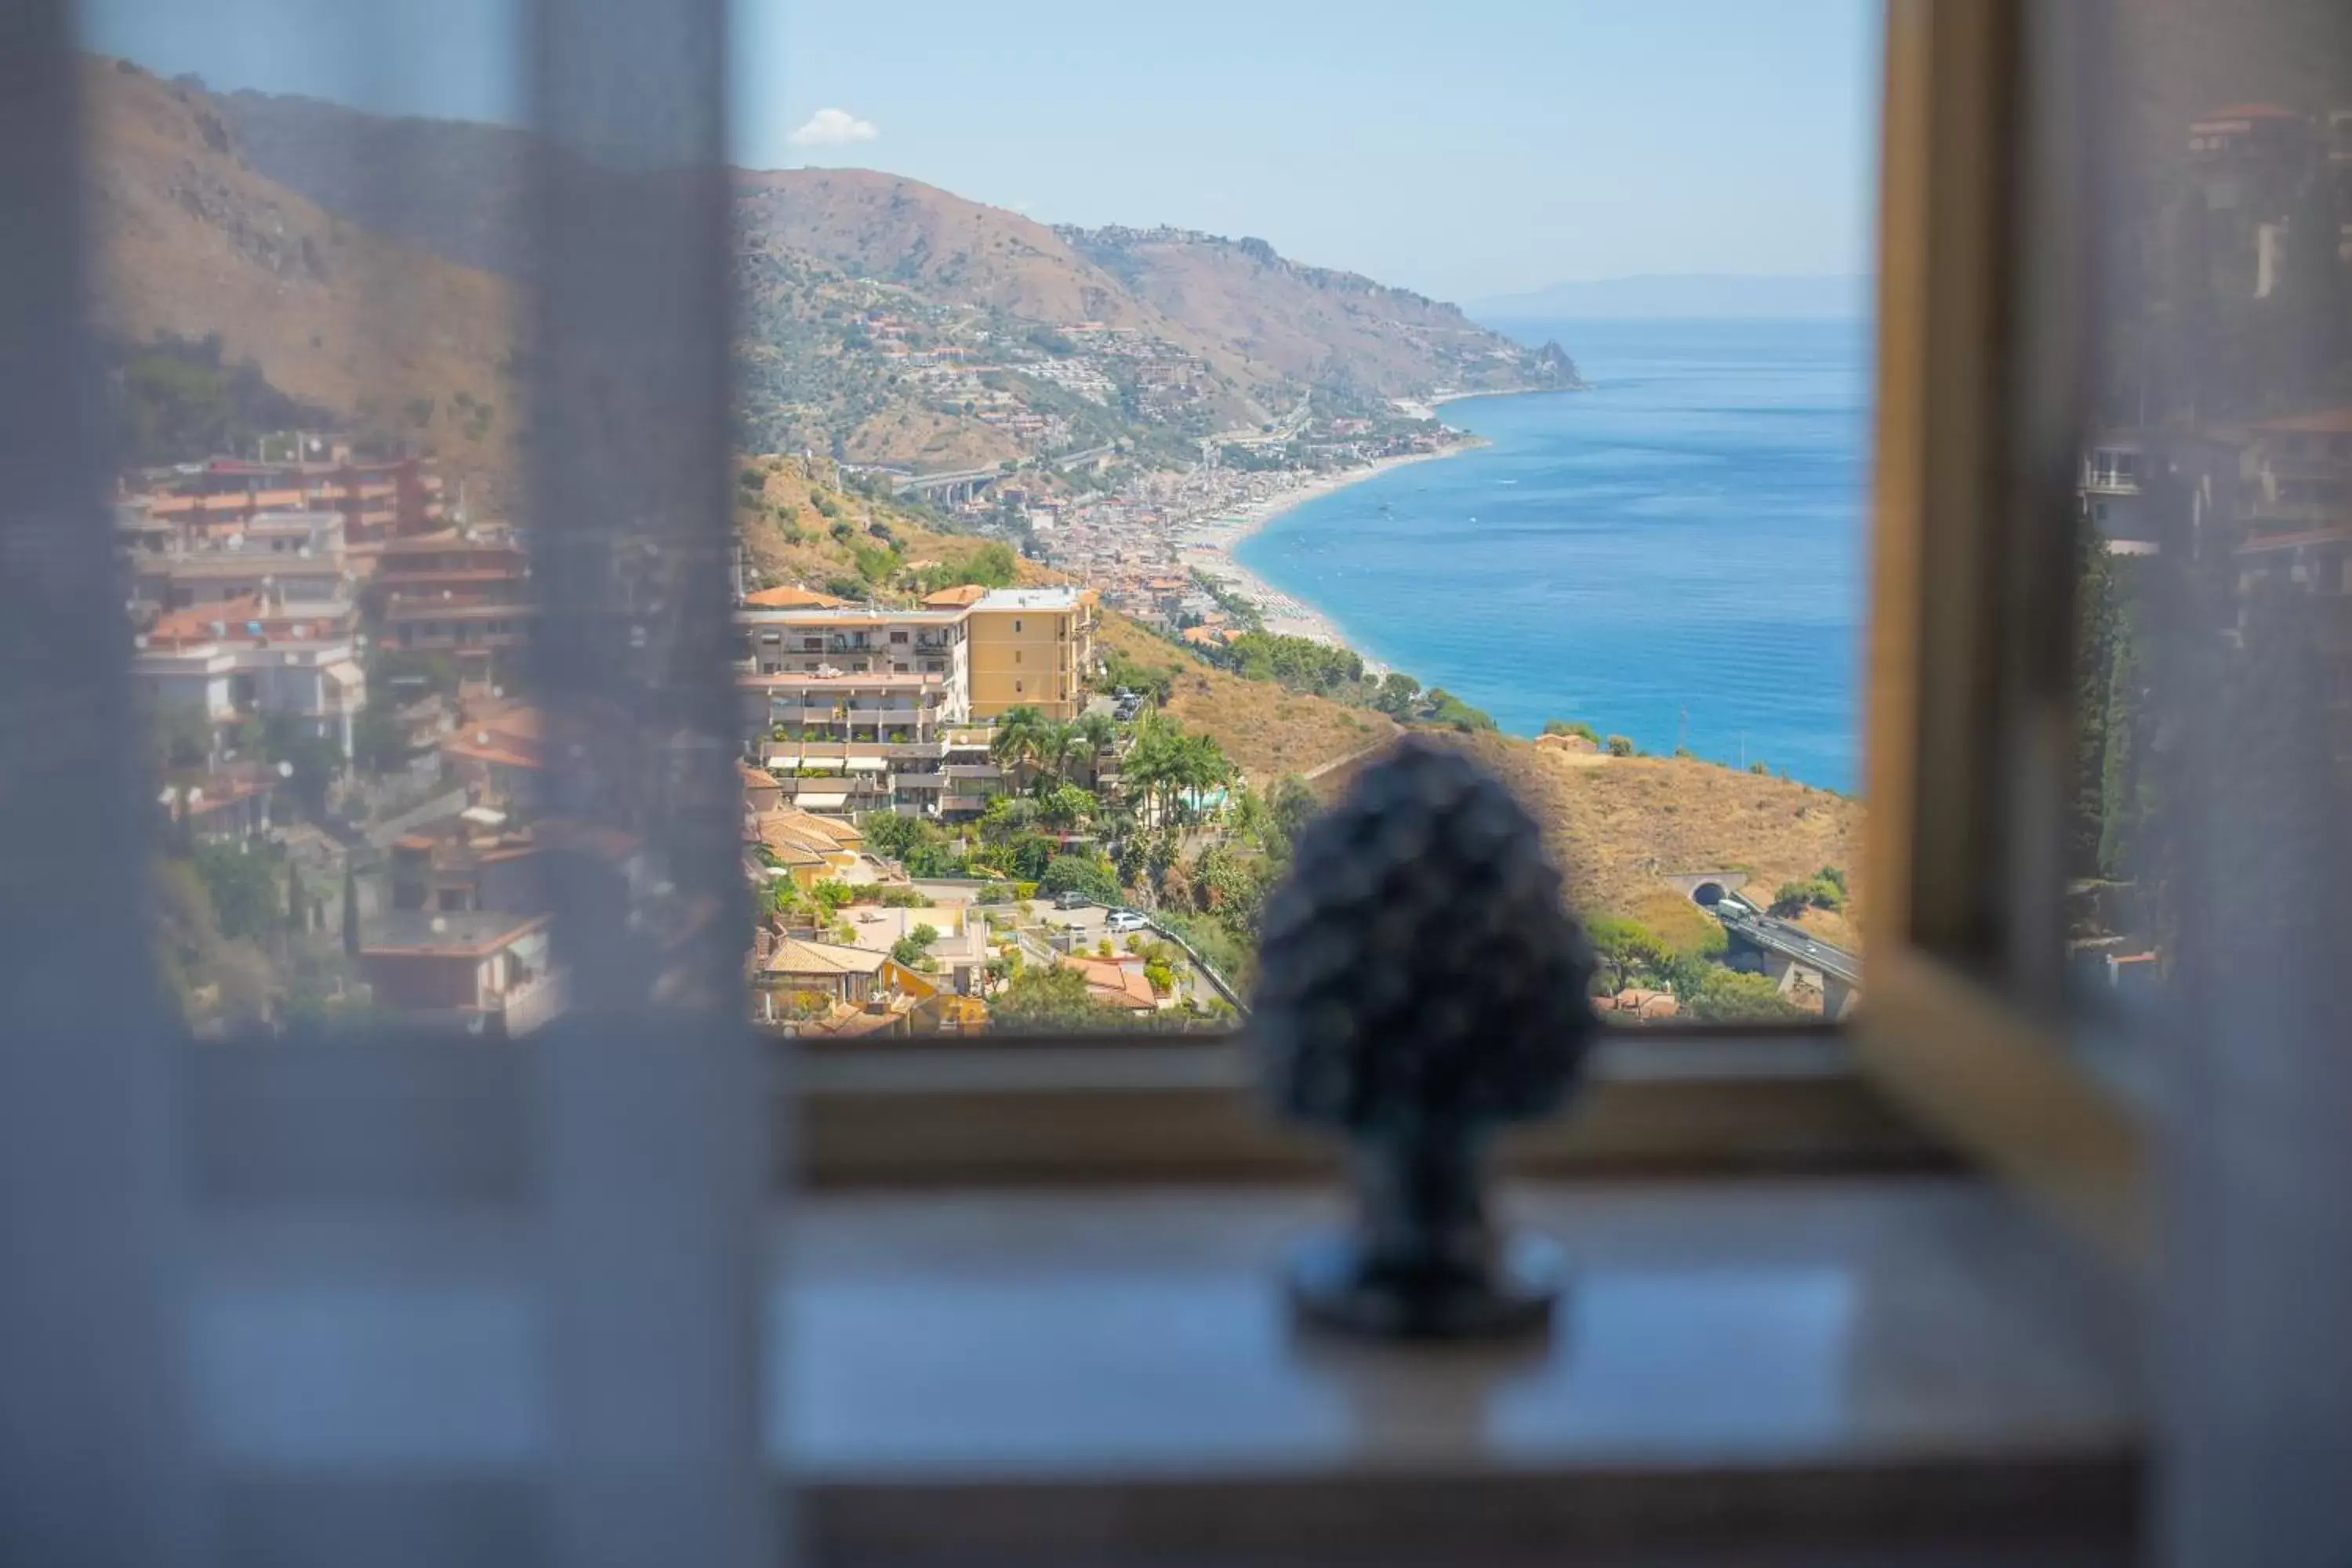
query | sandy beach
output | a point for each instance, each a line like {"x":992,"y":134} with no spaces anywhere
{"x":1207,"y":547}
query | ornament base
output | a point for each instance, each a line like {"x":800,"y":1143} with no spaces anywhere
{"x":1335,"y":1284}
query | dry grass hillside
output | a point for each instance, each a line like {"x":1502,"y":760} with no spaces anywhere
{"x":874,"y":225}
{"x":787,"y":523}
{"x":1618,"y":825}
{"x":1266,"y":731}
{"x":193,"y":243}
{"x":928,"y":441}
{"x":1301,"y":323}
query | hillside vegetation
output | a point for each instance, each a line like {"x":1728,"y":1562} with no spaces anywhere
{"x":804,"y":521}
{"x":1266,"y":731}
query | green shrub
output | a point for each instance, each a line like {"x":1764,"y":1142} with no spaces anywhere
{"x":1730,"y":996}
{"x":1620,"y":746}
{"x":1074,"y":873}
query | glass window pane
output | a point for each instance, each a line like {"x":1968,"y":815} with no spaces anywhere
{"x":1299,"y":439}
{"x":1098,"y":518}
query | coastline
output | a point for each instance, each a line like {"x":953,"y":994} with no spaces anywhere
{"x":1207,"y":547}
{"x":1443,"y":398}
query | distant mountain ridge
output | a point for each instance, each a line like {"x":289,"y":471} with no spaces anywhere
{"x":1687,"y":295}
{"x":818,"y":249}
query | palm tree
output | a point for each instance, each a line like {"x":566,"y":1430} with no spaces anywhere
{"x":1057,"y":744}
{"x":1018,"y":736}
{"x":1097,"y":734}
{"x":1151,"y":764}
{"x":1199,"y":764}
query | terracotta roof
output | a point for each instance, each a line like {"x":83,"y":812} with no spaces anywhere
{"x":465,"y":933}
{"x":1120,"y":985}
{"x":956,"y":597}
{"x":1645,"y":1003}
{"x":792,"y":597}
{"x":794,"y":956}
{"x":846,"y":1023}
{"x":797,"y":836}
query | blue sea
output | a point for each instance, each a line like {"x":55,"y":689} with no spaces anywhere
{"x":1675,"y":555}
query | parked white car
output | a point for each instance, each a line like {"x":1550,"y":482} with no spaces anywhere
{"x":1125,"y":922}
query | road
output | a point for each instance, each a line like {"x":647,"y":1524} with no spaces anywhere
{"x":1795,"y":942}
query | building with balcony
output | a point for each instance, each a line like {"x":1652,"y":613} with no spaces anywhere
{"x":456,"y":592}
{"x":375,"y":498}
{"x":2108,"y":486}
{"x":486,"y":972}
{"x":858,"y":709}
{"x":298,"y":664}
{"x":282,"y":557}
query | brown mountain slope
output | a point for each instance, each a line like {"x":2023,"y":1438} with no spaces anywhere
{"x":873,"y":225}
{"x":1616,"y":825}
{"x":192,"y":242}
{"x":1305,"y":324}
{"x":1266,"y":731}
{"x":1262,"y":324}
{"x":786,"y":519}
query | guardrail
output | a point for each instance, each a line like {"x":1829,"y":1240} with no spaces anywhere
{"x":1217,"y":982}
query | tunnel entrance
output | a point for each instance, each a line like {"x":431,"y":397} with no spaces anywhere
{"x":1706,"y":895}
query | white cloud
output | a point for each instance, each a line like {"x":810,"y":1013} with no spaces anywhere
{"x":833,"y":128}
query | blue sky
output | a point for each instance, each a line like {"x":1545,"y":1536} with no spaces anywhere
{"x":1466,"y":148}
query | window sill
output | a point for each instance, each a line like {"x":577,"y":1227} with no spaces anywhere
{"x":428,"y":1118}
{"x":1816,"y":1373}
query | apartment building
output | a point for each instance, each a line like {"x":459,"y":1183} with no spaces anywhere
{"x":486,"y":972}
{"x":1031,"y":648}
{"x":843,"y":673}
{"x":240,"y":657}
{"x":376,"y":499}
{"x":454,"y":591}
{"x":280,"y":557}
{"x":864,"y":708}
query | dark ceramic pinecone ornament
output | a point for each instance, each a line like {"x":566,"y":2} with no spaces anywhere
{"x":1421,"y":983}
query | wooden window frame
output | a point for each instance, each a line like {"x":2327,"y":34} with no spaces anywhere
{"x":1992,"y":123}
{"x":1960,"y":1032}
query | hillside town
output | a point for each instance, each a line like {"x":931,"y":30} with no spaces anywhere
{"x":328,"y":655}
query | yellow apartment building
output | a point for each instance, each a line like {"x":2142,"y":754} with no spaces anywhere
{"x":1031,"y":648}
